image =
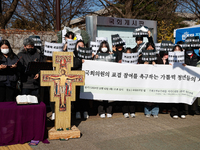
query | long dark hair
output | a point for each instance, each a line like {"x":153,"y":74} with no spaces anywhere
{"x":10,"y":53}
{"x":101,"y":45}
{"x":177,"y":46}
{"x":75,"y":50}
{"x":150,"y":44}
{"x":69,"y":33}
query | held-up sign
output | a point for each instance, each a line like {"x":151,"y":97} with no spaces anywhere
{"x":101,"y":39}
{"x":106,"y":57}
{"x":157,"y":45}
{"x":71,"y":45}
{"x":49,"y":48}
{"x":176,"y":57}
{"x":149,"y":55}
{"x":84,"y":53}
{"x":131,"y":58}
{"x":94,"y":46}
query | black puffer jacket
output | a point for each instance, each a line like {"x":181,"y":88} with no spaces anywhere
{"x":191,"y":61}
{"x":11,"y":74}
{"x":28,"y":80}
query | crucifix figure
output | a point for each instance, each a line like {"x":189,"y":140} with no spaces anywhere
{"x":62,"y":82}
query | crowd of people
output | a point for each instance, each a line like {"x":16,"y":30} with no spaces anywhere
{"x":14,"y":79}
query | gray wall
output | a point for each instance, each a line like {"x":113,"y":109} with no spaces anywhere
{"x":16,"y":37}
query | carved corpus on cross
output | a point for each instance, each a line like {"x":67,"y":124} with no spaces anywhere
{"x":62,"y":82}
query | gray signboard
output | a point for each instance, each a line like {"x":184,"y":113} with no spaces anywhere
{"x":98,"y":26}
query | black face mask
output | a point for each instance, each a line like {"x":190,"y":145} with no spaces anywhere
{"x":31,"y":50}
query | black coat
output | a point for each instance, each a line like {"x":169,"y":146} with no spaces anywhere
{"x":135,"y":49}
{"x":193,"y":60}
{"x":11,"y":74}
{"x":160,"y":61}
{"x":28,"y":80}
{"x":119,"y":55}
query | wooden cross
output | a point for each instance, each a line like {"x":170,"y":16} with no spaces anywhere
{"x":63,"y":83}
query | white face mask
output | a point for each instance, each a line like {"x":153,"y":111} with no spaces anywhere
{"x":5,"y":51}
{"x":104,"y":49}
{"x":189,"y":52}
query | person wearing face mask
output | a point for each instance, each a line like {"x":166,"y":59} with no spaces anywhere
{"x":103,"y":48}
{"x":9,"y":72}
{"x":104,"y":106}
{"x":30,"y":82}
{"x":178,"y":110}
{"x":68,"y":36}
{"x":191,"y":59}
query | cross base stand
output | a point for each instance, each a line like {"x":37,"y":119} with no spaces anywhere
{"x":66,"y":134}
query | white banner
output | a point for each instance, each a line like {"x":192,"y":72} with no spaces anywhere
{"x":94,"y":46}
{"x":131,"y":58}
{"x":49,"y":48}
{"x":144,"y":83}
{"x":101,"y":39}
{"x":176,"y":57}
{"x":71,"y":45}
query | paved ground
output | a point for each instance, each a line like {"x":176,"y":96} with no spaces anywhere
{"x":140,"y":133}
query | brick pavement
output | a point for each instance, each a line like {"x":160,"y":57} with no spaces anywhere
{"x":140,"y":133}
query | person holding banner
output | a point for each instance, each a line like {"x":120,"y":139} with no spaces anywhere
{"x":9,"y":72}
{"x":30,"y":82}
{"x":163,"y":60}
{"x":150,"y":58}
{"x":81,"y":106}
{"x":104,"y":106}
{"x":68,"y":35}
{"x":191,"y":59}
{"x":178,"y":110}
{"x":128,"y":106}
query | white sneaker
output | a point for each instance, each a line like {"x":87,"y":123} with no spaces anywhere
{"x":133,"y":115}
{"x":183,"y":116}
{"x":102,"y":115}
{"x":109,"y":116}
{"x":126,"y":115}
{"x":155,"y":116}
{"x":148,"y":115}
{"x":53,"y":116}
{"x":85,"y":115}
{"x":175,"y":117}
{"x":78,"y":115}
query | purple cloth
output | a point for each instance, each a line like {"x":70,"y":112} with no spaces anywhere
{"x":22,"y":123}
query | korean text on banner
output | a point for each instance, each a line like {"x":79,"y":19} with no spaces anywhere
{"x":144,"y":83}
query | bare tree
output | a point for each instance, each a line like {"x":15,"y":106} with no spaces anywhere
{"x":189,"y":6}
{"x":41,"y":15}
{"x":6,"y":12}
{"x":141,"y":9}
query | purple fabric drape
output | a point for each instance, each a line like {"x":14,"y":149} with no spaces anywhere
{"x":21,"y":123}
